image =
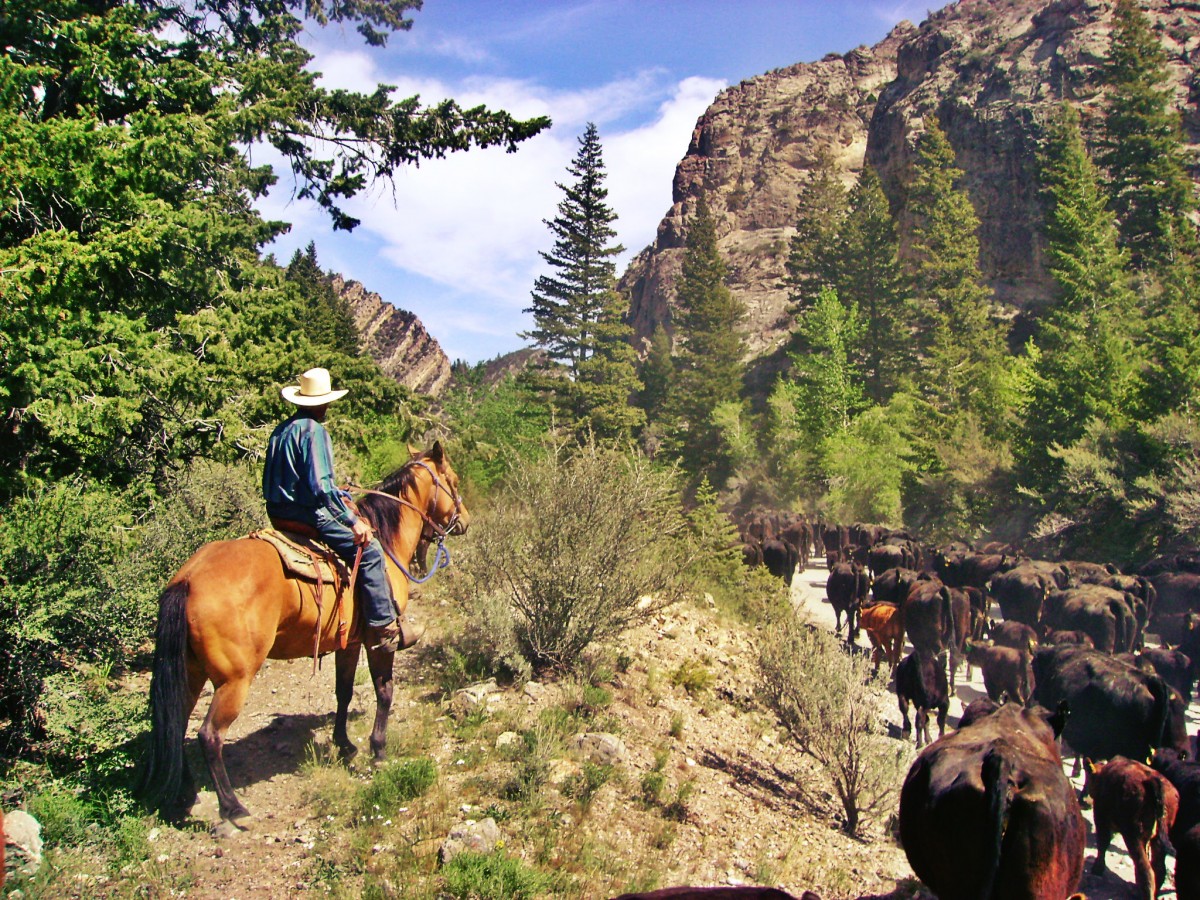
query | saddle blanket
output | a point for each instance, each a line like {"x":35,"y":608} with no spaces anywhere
{"x":294,"y":553}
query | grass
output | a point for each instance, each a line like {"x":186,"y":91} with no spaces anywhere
{"x":495,"y":876}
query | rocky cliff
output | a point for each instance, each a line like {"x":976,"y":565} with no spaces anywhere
{"x":396,"y":340}
{"x":993,"y":71}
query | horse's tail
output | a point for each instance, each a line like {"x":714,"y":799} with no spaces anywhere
{"x":163,"y":765}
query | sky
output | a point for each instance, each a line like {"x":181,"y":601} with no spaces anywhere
{"x":456,"y":241}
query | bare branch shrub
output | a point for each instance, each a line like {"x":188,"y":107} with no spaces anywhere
{"x":834,"y":711}
{"x":582,"y":543}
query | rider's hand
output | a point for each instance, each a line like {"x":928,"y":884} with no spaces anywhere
{"x":362,"y":532}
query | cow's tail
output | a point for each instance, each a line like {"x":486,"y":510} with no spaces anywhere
{"x":163,"y":766}
{"x":1160,"y":712}
{"x":998,"y":794}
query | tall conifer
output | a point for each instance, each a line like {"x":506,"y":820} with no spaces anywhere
{"x":1086,"y":362}
{"x":578,"y":314}
{"x":963,"y":366}
{"x":709,"y":362}
{"x":1143,"y":152}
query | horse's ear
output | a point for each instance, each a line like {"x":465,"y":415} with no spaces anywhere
{"x":436,"y":453}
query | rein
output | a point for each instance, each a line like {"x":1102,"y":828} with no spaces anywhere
{"x":441,"y":558}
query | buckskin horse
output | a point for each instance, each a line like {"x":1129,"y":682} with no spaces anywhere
{"x":231,"y":607}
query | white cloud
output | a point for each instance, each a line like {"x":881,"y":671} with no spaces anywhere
{"x":473,"y":222}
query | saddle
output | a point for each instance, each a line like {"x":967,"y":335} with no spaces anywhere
{"x":307,"y":559}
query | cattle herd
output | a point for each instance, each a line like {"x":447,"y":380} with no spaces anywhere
{"x":988,"y":810}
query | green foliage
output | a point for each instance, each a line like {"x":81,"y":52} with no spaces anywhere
{"x":815,"y":256}
{"x":492,"y":426}
{"x":584,"y":786}
{"x":496,"y":876}
{"x":585,"y":535}
{"x":1151,"y":190}
{"x":829,"y":384}
{"x":328,"y":321}
{"x":834,"y":711}
{"x":139,"y":326}
{"x":962,"y":369}
{"x":394,"y":785}
{"x":711,"y":349}
{"x":866,"y":465}
{"x":579,"y":317}
{"x":1087,"y":362}
{"x":693,"y":676}
{"x":60,"y":601}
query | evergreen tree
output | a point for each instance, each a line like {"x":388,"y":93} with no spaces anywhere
{"x":816,"y":255}
{"x":569,"y":301}
{"x":329,"y":321}
{"x":1152,"y":193}
{"x":1086,"y":362}
{"x":579,"y":317}
{"x":709,"y":361}
{"x":139,"y":327}
{"x":657,"y":374}
{"x":870,"y":280}
{"x":963,"y":366}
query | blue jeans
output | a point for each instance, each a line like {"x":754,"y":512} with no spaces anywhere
{"x":373,"y":588}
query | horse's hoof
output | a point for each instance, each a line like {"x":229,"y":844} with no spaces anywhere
{"x":346,"y":753}
{"x":225,"y":829}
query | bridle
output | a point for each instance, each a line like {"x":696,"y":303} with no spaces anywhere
{"x":436,"y":531}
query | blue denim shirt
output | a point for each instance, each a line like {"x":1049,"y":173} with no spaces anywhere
{"x":298,"y":474}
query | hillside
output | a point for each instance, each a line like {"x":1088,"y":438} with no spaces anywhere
{"x":991,"y":70}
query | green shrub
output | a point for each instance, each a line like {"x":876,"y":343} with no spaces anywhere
{"x":583,"y":786}
{"x":585,"y":543}
{"x":395,"y":785}
{"x":693,"y":676}
{"x":835,"y":712}
{"x":494,"y":876}
{"x":652,"y":785}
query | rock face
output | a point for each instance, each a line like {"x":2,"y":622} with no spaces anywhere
{"x":396,"y":340}
{"x":993,"y":71}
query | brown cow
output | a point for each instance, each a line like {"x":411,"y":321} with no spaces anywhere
{"x":921,"y":681}
{"x":1134,"y":801}
{"x":884,"y":626}
{"x":1006,"y":670}
{"x":988,"y":812}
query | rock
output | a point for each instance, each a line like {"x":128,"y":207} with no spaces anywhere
{"x":599,"y":748}
{"x":508,"y":739}
{"x":22,"y":843}
{"x":994,"y":73}
{"x":397,"y":340}
{"x":533,"y":690}
{"x":561,"y":770}
{"x":474,"y":837}
{"x":469,"y":699}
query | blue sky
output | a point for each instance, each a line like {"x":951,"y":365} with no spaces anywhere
{"x":456,"y":241}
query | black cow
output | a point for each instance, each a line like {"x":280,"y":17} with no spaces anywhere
{"x":1099,"y":612}
{"x":893,"y":586}
{"x":1116,"y":709}
{"x":882,"y":557}
{"x":987,"y":811}
{"x":1021,"y":593}
{"x":1178,"y":593}
{"x":1175,"y":667}
{"x":929,"y":618}
{"x":780,"y":559}
{"x":921,"y":680}
{"x":846,"y":587}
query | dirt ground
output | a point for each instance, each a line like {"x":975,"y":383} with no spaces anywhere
{"x":745,"y":815}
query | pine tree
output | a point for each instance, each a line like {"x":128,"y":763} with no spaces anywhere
{"x":1152,"y":193}
{"x":568,"y":302}
{"x":963,"y":366}
{"x":709,"y":362}
{"x":657,"y":373}
{"x":815,"y":257}
{"x":579,"y":317}
{"x":870,"y":279}
{"x":1086,"y":360}
{"x":830,"y":384}
{"x":329,"y":321}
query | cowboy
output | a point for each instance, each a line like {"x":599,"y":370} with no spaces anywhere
{"x":301,"y":496}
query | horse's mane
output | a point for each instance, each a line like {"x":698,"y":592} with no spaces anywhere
{"x":384,"y":514}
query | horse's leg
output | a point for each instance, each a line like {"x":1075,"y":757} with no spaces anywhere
{"x":380,"y":664}
{"x":195,"y":686}
{"x":227,"y":702}
{"x":346,"y":666}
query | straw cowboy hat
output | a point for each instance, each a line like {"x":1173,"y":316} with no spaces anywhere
{"x":314,"y":389}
